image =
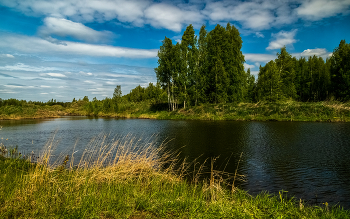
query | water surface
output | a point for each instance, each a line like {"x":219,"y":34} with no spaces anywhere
{"x":309,"y":160}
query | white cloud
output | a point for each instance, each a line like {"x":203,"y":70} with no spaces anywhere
{"x":7,"y":55}
{"x":319,"y":52}
{"x":55,"y":75}
{"x":259,"y":35}
{"x":23,"y":67}
{"x":84,"y":10}
{"x":14,"y":86}
{"x":8,"y":92}
{"x":256,"y":57}
{"x":89,"y":82}
{"x":124,"y":10}
{"x":171,"y":17}
{"x":37,"y":45}
{"x":111,"y":82}
{"x":255,"y":15}
{"x":72,"y":85}
{"x":319,"y":9}
{"x":44,"y":93}
{"x":246,"y":66}
{"x":177,"y":38}
{"x":316,"y":52}
{"x":255,"y":73}
{"x":62,"y":27}
{"x":85,"y":73}
{"x":282,"y":38}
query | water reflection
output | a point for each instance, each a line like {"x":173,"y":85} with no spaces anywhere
{"x":308,"y":160}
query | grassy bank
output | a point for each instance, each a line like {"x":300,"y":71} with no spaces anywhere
{"x":118,"y":181}
{"x":261,"y":111}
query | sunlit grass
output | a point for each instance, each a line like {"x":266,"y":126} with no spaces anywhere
{"x":326,"y":111}
{"x":129,"y":178}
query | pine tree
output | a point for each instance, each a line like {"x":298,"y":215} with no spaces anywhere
{"x":269,"y":82}
{"x":250,"y":96}
{"x":340,"y":71}
{"x":234,"y":60}
{"x":202,"y":70}
{"x":189,"y":54}
{"x":286,"y":73}
{"x":218,"y":77}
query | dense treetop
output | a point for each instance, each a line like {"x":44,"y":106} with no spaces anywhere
{"x":209,"y":68}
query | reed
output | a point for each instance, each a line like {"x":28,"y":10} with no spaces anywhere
{"x":129,"y":178}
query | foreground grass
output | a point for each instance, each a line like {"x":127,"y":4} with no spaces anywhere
{"x":124,"y":180}
{"x":262,"y":111}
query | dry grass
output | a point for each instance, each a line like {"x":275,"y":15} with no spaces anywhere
{"x":130,"y":178}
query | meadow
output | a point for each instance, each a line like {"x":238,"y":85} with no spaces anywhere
{"x":326,"y":111}
{"x":123,"y":179}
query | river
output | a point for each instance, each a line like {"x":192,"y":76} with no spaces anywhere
{"x":309,"y":160}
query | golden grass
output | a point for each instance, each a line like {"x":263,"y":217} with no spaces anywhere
{"x":130,"y":178}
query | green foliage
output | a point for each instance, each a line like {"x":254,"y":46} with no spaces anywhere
{"x":117,"y":93}
{"x":210,"y":69}
{"x":268,"y":86}
{"x":86,"y":99}
{"x":154,"y":94}
{"x":340,"y":71}
{"x":250,"y":87}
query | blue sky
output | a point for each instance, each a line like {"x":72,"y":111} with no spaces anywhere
{"x":74,"y":48}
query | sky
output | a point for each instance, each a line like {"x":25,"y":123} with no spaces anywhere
{"x":74,"y":48}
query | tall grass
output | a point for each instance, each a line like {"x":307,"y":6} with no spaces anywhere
{"x":129,"y":179}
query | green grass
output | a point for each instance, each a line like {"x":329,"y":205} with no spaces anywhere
{"x":122,"y":182}
{"x":261,"y":111}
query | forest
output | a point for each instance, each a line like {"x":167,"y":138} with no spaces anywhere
{"x":209,"y":69}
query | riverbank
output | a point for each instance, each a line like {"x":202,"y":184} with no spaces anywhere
{"x":134,"y":185}
{"x":261,"y":111}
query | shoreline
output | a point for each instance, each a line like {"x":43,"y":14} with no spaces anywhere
{"x":182,"y":117}
{"x":261,"y":111}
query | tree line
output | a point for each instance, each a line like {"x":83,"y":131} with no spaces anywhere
{"x":305,"y":79}
{"x":209,"y":69}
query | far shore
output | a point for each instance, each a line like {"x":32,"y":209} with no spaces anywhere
{"x":284,"y":111}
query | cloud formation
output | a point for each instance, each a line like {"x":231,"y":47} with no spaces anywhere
{"x":55,"y":75}
{"x":174,"y":15}
{"x":256,"y":57}
{"x":65,"y":80}
{"x":246,"y":66}
{"x":6,"y":56}
{"x":320,"y":52}
{"x":319,"y":9}
{"x":256,"y":15}
{"x":171,"y":17}
{"x":62,"y":27}
{"x":28,"y":44}
{"x":282,"y":38}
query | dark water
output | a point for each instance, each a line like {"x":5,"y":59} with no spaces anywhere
{"x":309,"y":160}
